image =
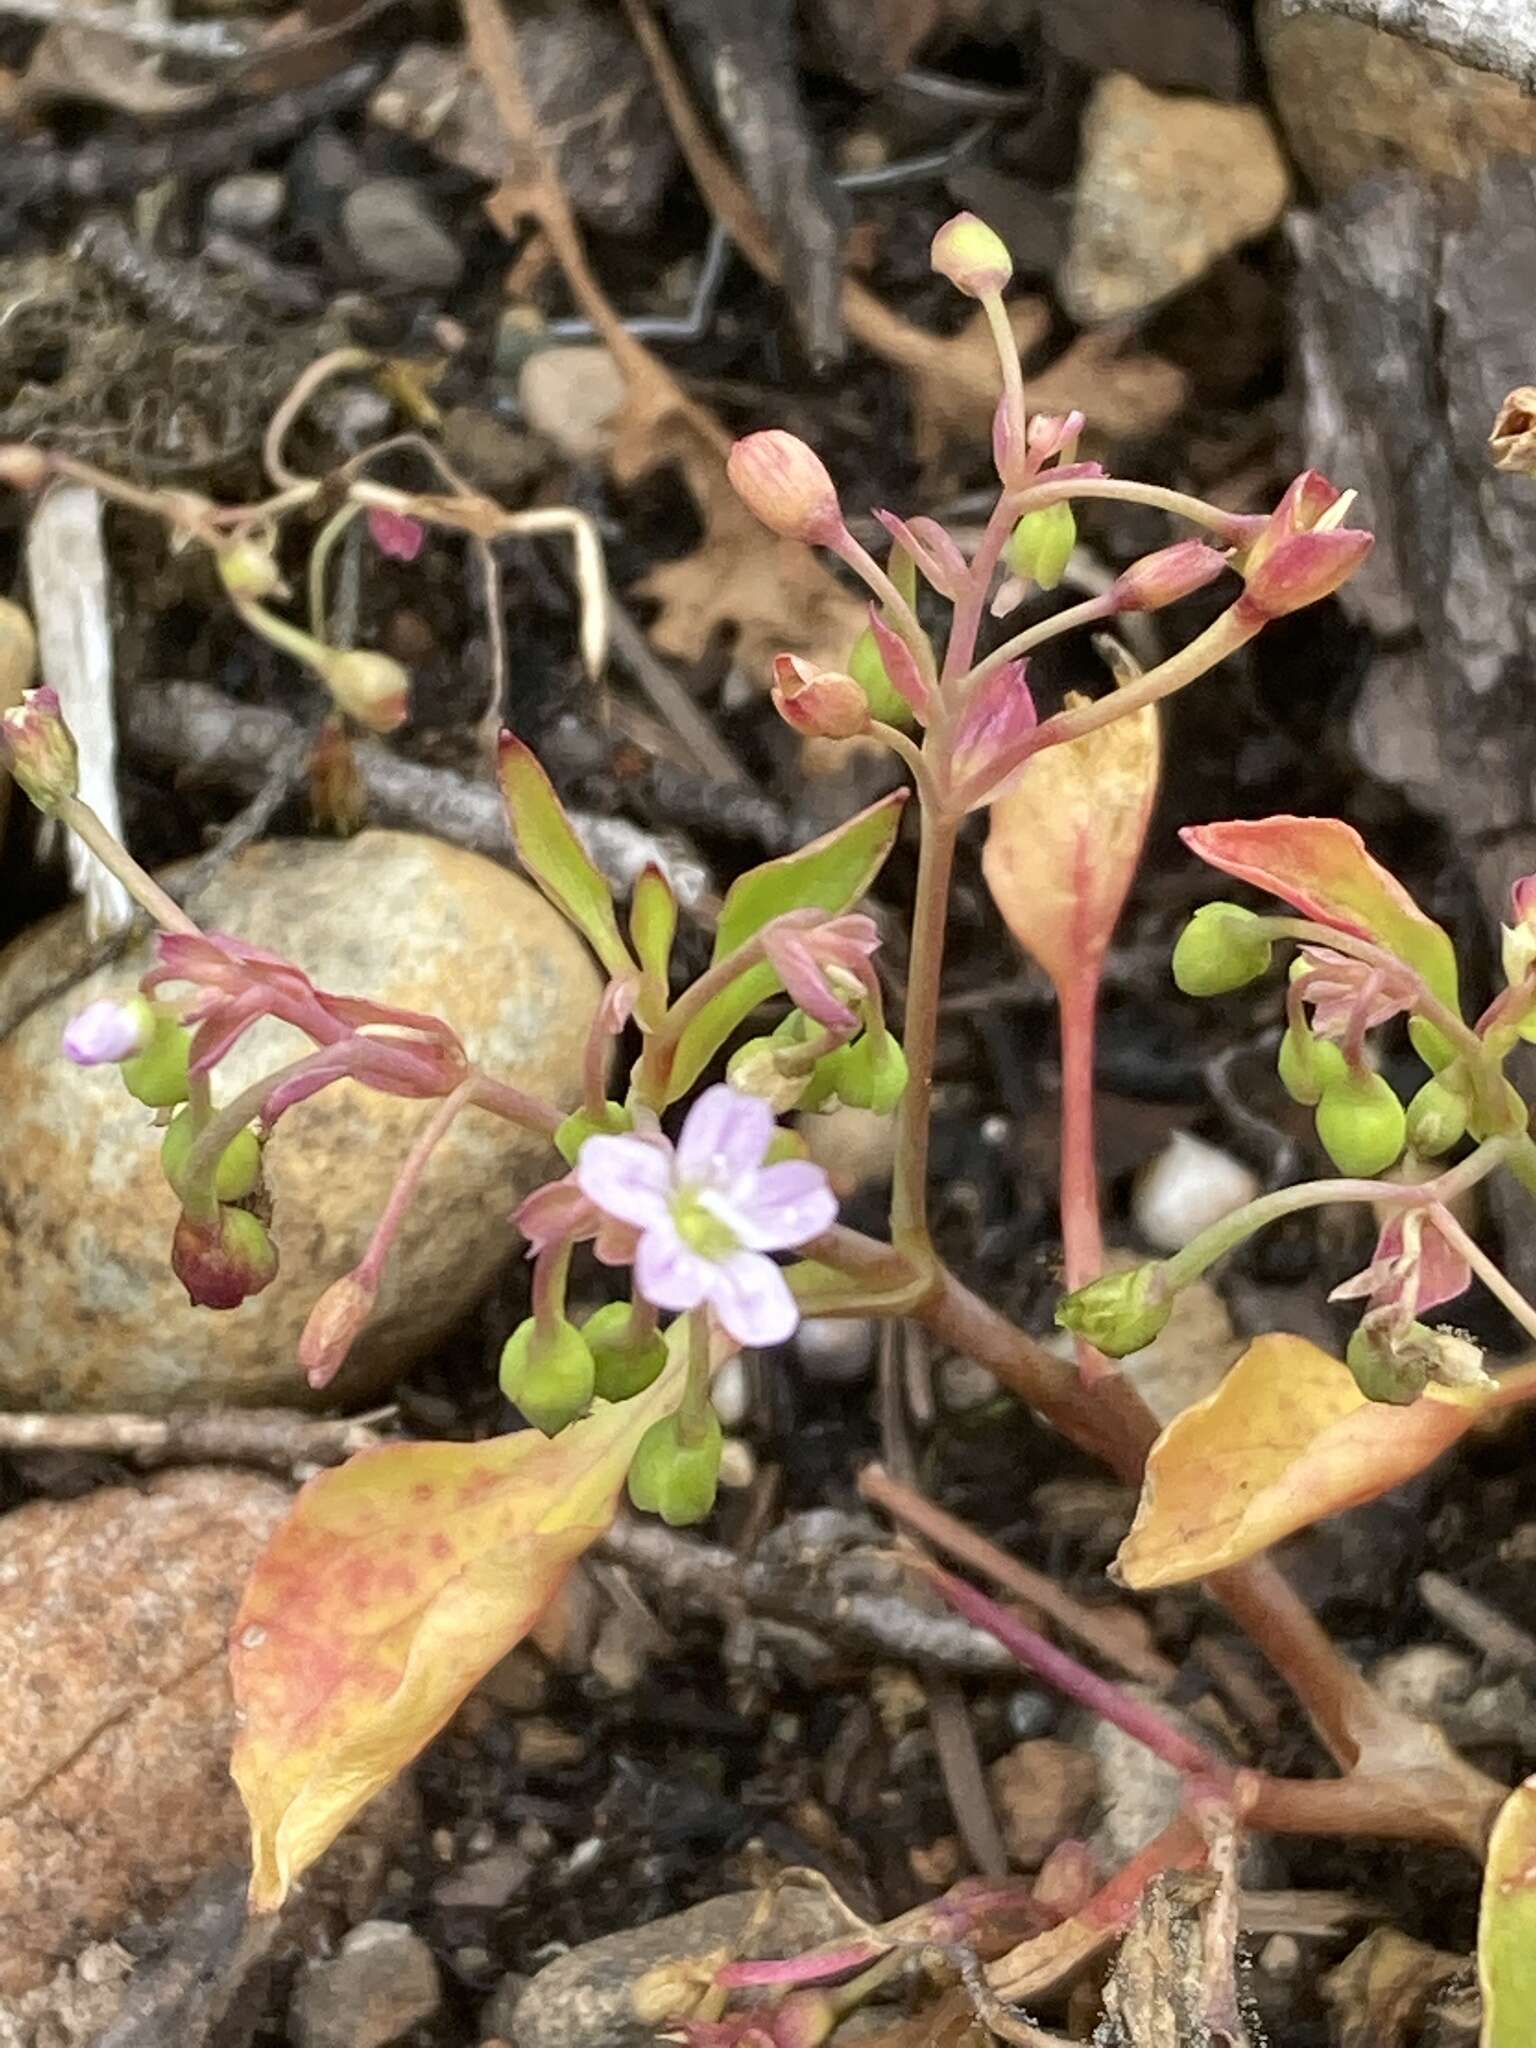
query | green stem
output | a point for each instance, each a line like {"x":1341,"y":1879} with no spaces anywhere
{"x":1123,"y":490}
{"x":1223,"y":637}
{"x":115,"y":857}
{"x":1087,"y":613}
{"x":693,"y":1409}
{"x":319,"y":562}
{"x":899,"y":615}
{"x":1498,"y":1284}
{"x":930,"y":910}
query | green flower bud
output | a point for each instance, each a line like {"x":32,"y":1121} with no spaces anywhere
{"x":1307,"y":1063}
{"x":1223,"y":947}
{"x":1041,"y":545}
{"x":674,"y":1479}
{"x":1119,"y":1312}
{"x":237,"y":1172}
{"x":866,"y":1074}
{"x":1361,"y":1123}
{"x":549,"y":1375}
{"x":1386,"y":1371}
{"x":866,"y":665}
{"x":622,"y":1365}
{"x":1436,"y":1119}
{"x":157,"y":1076}
{"x":581,"y":1124}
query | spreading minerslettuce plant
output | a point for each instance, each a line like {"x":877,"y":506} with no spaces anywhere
{"x":401,"y":1577}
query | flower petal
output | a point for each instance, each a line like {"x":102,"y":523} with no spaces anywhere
{"x":752,"y":1299}
{"x":785,"y":1205}
{"x":725,"y":1136}
{"x":627,"y":1177}
{"x":668,"y":1272}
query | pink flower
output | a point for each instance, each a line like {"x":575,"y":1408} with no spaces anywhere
{"x":709,"y":1210}
{"x":1302,"y":552}
{"x":820,"y":960}
{"x":1413,"y":1270}
{"x":1350,"y":997}
{"x":394,"y":534}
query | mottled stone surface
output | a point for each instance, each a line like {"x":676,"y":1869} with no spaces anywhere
{"x":114,"y":1743}
{"x":1169,"y":183}
{"x":383,"y":1981}
{"x":94,"y":1317}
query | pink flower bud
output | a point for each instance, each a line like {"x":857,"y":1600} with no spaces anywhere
{"x":1051,"y":434}
{"x":901,"y":665}
{"x":932,"y":548}
{"x":39,"y":749}
{"x":785,"y":484}
{"x":821,"y":703}
{"x":1166,"y":576}
{"x":395,"y":534}
{"x":372,"y":688}
{"x":972,"y":256}
{"x":335,"y":1322}
{"x":995,"y":732}
{"x":1010,"y":447}
{"x":224,"y":1262}
{"x":1302,"y":553}
{"x":105,"y":1032}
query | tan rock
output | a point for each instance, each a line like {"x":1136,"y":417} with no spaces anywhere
{"x":114,"y":1744}
{"x":1169,"y":182}
{"x":1043,"y":1791}
{"x":94,"y":1317}
{"x":574,"y":396}
{"x":1355,"y":99}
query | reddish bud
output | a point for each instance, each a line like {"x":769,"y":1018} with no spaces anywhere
{"x":335,"y":1322}
{"x":785,"y":484}
{"x":395,"y":534}
{"x":224,"y":1262}
{"x":972,"y":256}
{"x":821,"y":703}
{"x":372,"y":688}
{"x":1302,"y":553}
{"x":932,"y":548}
{"x":906,"y":678}
{"x":994,"y":735}
{"x":1166,"y":576}
{"x":39,"y":749}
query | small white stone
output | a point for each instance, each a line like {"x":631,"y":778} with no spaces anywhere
{"x":731,"y":1392}
{"x":836,"y":1350}
{"x":1188,"y":1187}
{"x":573,"y":396}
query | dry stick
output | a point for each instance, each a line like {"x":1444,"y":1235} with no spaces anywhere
{"x":1501,"y":1640}
{"x":914,"y":1511}
{"x":279,"y":1438}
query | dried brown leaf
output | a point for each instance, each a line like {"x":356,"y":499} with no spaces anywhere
{"x":1381,"y":1987}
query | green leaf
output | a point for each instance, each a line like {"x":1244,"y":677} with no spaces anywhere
{"x":549,"y":849}
{"x":652,"y":928}
{"x":1506,"y":1927}
{"x":830,"y":874}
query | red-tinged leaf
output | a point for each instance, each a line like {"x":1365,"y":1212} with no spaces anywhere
{"x":549,"y":849}
{"x":395,"y":1584}
{"x":831,"y":874}
{"x":1286,"y":1439}
{"x":1065,"y":841}
{"x":1506,"y":1926}
{"x":1321,"y":867}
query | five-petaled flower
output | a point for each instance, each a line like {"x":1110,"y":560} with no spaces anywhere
{"x":709,"y":1210}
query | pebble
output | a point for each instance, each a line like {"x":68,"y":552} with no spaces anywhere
{"x":114,"y":1745}
{"x":730,"y":1392}
{"x":382,"y":1982}
{"x":1189,"y":1186}
{"x":573,"y":396}
{"x":248,"y":203}
{"x":1168,"y":184}
{"x":589,"y":1998}
{"x":397,"y":238}
{"x":836,"y":1351}
{"x":1043,"y":1790}
{"x":486,"y":1883}
{"x":965,"y":1386}
{"x":94,"y":1318}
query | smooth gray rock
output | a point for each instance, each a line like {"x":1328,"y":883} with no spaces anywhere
{"x":396,"y":237}
{"x":381,"y":1982}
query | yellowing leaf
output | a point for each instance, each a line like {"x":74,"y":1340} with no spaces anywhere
{"x":1065,"y":840}
{"x":1286,"y":1439}
{"x":395,"y":1584}
{"x":1506,"y":1926}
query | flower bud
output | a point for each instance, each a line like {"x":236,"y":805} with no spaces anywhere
{"x":548,"y":1373}
{"x":106,"y":1032}
{"x":805,"y":2019}
{"x":157,"y":1076}
{"x":18,"y":651}
{"x":22,"y":467}
{"x":1386,"y":1370}
{"x":785,"y":484}
{"x":995,"y":732}
{"x":674,"y":1478}
{"x":1302,"y":552}
{"x":972,"y":256}
{"x":1436,"y":1119}
{"x":248,"y":569}
{"x":335,"y":1323}
{"x":624,"y":1364}
{"x":224,"y":1262}
{"x":582,"y":1124}
{"x":867,"y":1074}
{"x":1040,"y":546}
{"x":39,"y":749}
{"x":1166,"y":576}
{"x":1119,"y":1312}
{"x":820,"y":703}
{"x":372,"y":688}
{"x":1360,"y":1122}
{"x":239,"y":1168}
{"x":1223,"y":947}
{"x":867,"y":666}
{"x":1307,"y":1063}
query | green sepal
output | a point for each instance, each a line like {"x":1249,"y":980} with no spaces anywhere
{"x":674,"y":1479}
{"x":1361,"y":1123}
{"x":238,"y":1170}
{"x":157,"y":1076}
{"x":1041,"y":545}
{"x":867,"y":666}
{"x":622,"y":1366}
{"x":549,"y":1376}
{"x":611,"y":1121}
{"x":1119,"y":1312}
{"x":1223,"y":947}
{"x":1307,"y":1063}
{"x":652,"y":928}
{"x":865,"y":1074}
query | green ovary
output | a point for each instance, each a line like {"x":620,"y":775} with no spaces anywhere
{"x":701,"y":1230}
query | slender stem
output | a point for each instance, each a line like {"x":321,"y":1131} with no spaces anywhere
{"x":693,"y":1410}
{"x":115,"y":857}
{"x":1223,"y":637}
{"x":319,"y":562}
{"x":899,"y":613}
{"x":370,"y":1267}
{"x":503,"y":1100}
{"x":1081,"y":1231}
{"x":899,"y":743}
{"x":1498,"y":1284}
{"x":1229,"y":526}
{"x":547,"y":1294}
{"x":1085,"y":614}
{"x":971,"y":604}
{"x":1008,"y":362}
{"x":930,"y":910}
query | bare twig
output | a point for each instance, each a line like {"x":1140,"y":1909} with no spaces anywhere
{"x":281,"y":1439}
{"x":1502,"y":1641}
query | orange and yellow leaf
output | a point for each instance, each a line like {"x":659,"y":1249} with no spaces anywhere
{"x":1506,"y":1926}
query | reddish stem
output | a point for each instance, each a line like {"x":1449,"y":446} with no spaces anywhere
{"x":1081,"y":1231}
